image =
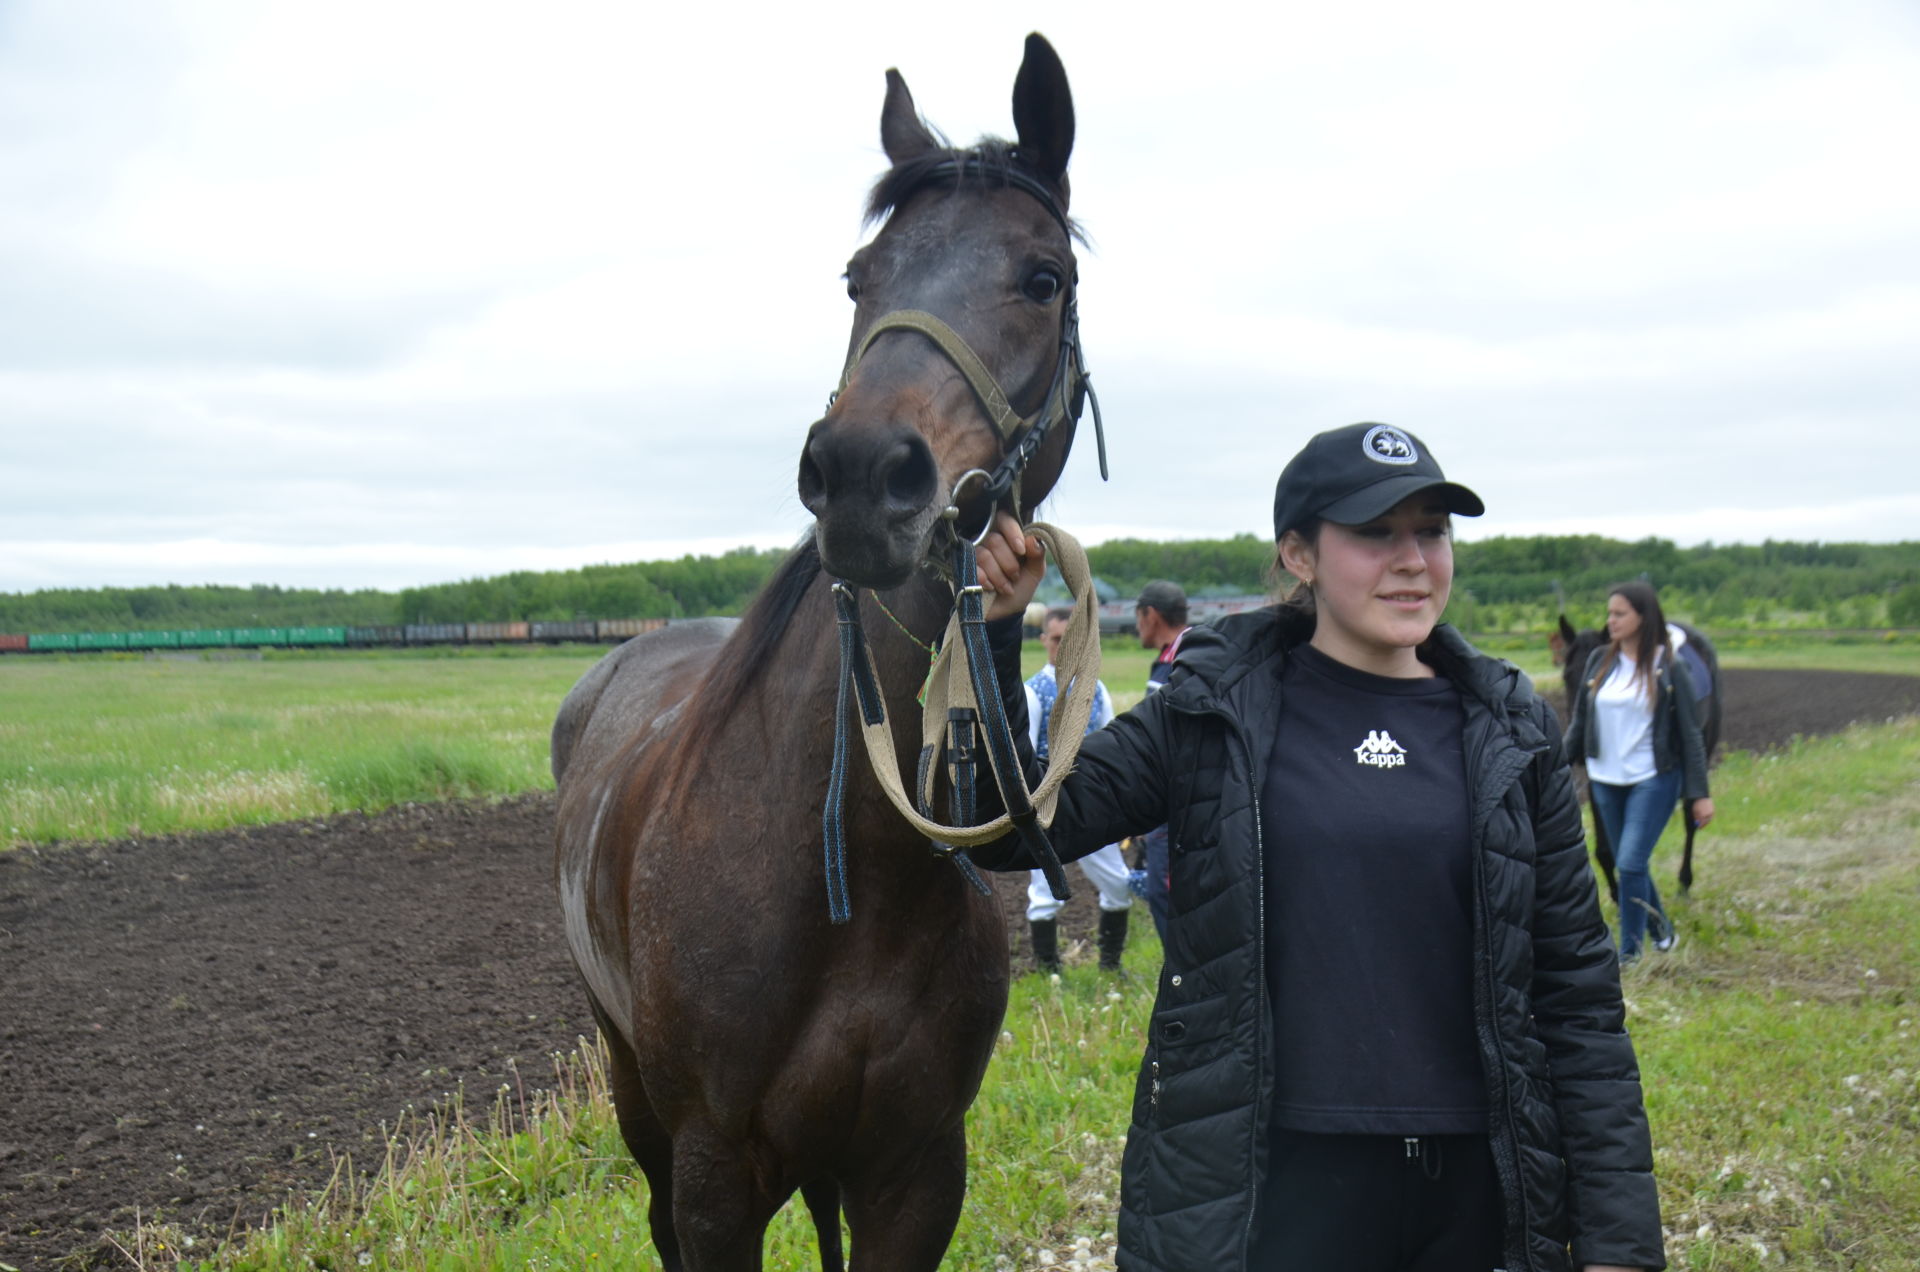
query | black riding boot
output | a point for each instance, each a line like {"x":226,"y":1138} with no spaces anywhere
{"x":1113,"y":938}
{"x":1046,"y":944}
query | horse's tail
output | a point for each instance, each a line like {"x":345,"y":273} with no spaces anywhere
{"x":823,"y":1203}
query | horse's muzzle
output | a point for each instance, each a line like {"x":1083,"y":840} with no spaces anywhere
{"x":875,"y":493}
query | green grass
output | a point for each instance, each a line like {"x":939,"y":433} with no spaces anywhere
{"x":100,"y":748}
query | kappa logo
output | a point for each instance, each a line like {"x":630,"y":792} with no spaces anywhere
{"x":1385,"y":444}
{"x":1381,"y":751}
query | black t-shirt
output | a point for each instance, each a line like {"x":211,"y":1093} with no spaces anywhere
{"x":1369,"y":908}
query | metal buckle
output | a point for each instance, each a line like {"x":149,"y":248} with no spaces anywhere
{"x":952,"y":513}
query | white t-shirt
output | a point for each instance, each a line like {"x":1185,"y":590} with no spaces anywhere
{"x":1623,"y":714}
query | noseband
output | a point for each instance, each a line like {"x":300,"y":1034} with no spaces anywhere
{"x":1020,"y":436}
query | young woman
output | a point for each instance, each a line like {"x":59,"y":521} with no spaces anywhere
{"x":1388,"y":1033}
{"x":1635,"y":725}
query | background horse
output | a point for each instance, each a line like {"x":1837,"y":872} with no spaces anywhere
{"x":1571,"y":651}
{"x":756,"y":1048}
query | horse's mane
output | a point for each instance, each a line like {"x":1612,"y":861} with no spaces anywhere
{"x":990,"y":160}
{"x":743,"y":659}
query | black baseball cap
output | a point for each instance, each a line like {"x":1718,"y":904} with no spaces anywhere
{"x":1352,"y":475}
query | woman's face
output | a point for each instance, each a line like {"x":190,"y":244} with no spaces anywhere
{"x":1380,"y":587}
{"x":1623,"y":621}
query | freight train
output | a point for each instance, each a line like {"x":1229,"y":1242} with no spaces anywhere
{"x":1116,"y":618}
{"x":398,"y":635}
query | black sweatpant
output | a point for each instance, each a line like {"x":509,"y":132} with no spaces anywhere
{"x":1378,"y":1203}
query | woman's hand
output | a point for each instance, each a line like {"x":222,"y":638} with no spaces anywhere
{"x":1010,"y":566}
{"x":1701,"y":812}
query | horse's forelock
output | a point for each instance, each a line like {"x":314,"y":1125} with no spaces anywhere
{"x":991,"y":158}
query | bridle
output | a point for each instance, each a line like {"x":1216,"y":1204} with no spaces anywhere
{"x":970,"y":693}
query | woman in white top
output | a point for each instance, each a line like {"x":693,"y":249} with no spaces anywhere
{"x":1634,"y":722}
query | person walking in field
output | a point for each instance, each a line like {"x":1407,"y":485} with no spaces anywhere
{"x":1105,"y":869}
{"x":1634,"y":724}
{"x":1388,"y":1035}
{"x":1160,"y":616}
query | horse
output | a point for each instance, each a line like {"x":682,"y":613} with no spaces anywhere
{"x":1571,"y":651}
{"x":756,"y":1046}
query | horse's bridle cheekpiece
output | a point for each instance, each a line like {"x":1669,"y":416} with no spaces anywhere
{"x":971,"y":694}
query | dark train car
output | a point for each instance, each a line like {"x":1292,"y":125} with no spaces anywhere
{"x":436,"y":633}
{"x":388,"y":634}
{"x":554,"y":633}
{"x":15,"y":644}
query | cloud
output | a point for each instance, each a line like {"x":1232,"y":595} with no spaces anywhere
{"x":373,"y":293}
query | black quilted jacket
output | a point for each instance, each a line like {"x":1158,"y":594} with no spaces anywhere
{"x":1569,"y":1131}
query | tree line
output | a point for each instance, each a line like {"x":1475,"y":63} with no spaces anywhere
{"x":1501,"y":584}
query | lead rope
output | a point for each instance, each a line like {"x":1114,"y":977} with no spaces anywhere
{"x":958,"y":703}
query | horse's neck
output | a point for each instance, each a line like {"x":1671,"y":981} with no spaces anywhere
{"x":900,"y":627}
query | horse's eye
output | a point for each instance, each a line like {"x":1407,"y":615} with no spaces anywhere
{"x":853,"y":288}
{"x":1042,"y":285}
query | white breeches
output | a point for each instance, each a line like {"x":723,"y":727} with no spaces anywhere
{"x":1105,"y":870}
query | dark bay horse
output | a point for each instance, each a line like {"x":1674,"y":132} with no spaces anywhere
{"x":757,"y":1048}
{"x":1571,"y":651}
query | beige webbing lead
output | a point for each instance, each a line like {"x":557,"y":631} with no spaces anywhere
{"x":950,"y":685}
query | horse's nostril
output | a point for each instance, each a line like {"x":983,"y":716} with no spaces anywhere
{"x":813,"y":482}
{"x":909,"y":475}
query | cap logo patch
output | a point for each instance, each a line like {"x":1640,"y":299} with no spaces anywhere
{"x":1385,"y":444}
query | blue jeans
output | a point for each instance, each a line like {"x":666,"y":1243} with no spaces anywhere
{"x":1634,"y":817}
{"x":1158,"y":863}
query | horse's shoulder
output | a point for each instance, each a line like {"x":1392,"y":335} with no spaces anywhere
{"x":625,"y":690}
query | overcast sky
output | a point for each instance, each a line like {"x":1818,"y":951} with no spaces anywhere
{"x":391,"y":293}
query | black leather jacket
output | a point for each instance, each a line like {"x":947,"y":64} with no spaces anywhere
{"x":1568,"y":1126}
{"x":1677,"y":741}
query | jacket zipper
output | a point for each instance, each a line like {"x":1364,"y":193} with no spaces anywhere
{"x":1505,"y":1151}
{"x":1265,"y":1031}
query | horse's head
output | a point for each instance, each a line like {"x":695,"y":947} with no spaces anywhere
{"x":1571,"y":650}
{"x":964,"y":340}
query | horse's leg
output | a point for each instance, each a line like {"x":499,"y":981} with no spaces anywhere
{"x":720,"y":1205}
{"x":1603,"y":849}
{"x":902,"y":1214}
{"x":645,"y":1138}
{"x":823,"y":1203}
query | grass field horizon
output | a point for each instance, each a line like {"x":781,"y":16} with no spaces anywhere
{"x":103,"y":747}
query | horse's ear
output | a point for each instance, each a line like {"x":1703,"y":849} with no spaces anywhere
{"x":902,"y":135}
{"x":1043,"y":110}
{"x":1566,"y":631}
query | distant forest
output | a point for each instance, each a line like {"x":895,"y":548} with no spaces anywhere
{"x":1504,"y":584}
